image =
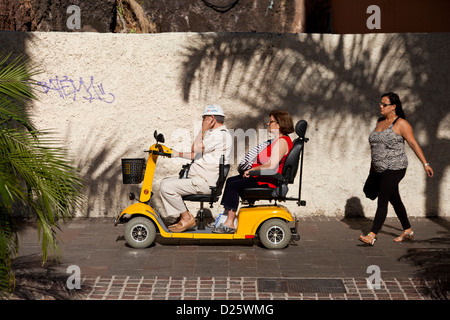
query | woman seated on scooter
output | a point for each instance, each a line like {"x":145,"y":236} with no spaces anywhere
{"x":271,"y":158}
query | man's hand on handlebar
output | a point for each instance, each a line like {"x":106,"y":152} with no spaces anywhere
{"x":175,"y":154}
{"x":185,"y":155}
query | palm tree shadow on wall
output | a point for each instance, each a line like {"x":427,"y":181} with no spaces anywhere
{"x":101,"y":188}
{"x":328,"y":81}
{"x":102,"y":175}
{"x":325,"y":82}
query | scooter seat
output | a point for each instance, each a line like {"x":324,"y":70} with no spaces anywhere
{"x":261,"y":193}
{"x":200,"y":198}
{"x":256,"y":193}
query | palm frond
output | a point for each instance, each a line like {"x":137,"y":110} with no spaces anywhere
{"x":53,"y":184}
{"x":34,"y":170}
{"x":13,"y":111}
{"x":16,"y":89}
{"x":16,"y":77}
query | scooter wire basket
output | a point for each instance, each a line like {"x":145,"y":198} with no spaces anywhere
{"x":133,"y":170}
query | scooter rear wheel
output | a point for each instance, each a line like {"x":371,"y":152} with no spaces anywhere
{"x":140,"y":232}
{"x":275,"y":234}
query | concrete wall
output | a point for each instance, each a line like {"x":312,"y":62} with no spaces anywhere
{"x":105,"y":94}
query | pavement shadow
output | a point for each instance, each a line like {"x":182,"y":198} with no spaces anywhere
{"x":355,"y":218}
{"x":433,"y":263}
{"x":35,"y":281}
{"x":432,"y":260}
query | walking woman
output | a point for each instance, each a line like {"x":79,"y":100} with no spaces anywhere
{"x":389,"y":162}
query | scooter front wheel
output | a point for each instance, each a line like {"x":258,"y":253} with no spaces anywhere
{"x":275,"y":234}
{"x":140,"y":232}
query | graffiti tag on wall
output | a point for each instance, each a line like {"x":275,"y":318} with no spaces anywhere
{"x":77,"y":89}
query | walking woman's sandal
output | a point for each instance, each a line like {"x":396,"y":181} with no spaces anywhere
{"x":405,"y":236}
{"x":370,"y":241}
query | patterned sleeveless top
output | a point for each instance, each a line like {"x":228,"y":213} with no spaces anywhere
{"x":388,"y":150}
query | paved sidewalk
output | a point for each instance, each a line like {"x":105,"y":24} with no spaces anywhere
{"x":327,"y":263}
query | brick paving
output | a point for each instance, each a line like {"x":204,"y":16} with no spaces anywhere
{"x":238,"y":288}
{"x":230,"y":270}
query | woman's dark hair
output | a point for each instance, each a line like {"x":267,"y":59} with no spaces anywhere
{"x":394,"y":99}
{"x":284,"y":120}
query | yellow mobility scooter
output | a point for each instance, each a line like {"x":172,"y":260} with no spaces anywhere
{"x":273,"y":224}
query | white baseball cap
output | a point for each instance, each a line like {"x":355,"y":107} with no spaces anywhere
{"x":213,"y":110}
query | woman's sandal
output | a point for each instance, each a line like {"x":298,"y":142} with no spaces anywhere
{"x":224,"y":229}
{"x":368,"y":241}
{"x":405,"y":236}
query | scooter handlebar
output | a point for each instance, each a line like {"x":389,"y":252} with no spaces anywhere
{"x":160,"y":150}
{"x":159,"y":153}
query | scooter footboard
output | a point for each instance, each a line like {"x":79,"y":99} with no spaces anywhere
{"x":251,"y":218}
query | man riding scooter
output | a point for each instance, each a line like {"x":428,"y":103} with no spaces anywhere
{"x":211,"y":143}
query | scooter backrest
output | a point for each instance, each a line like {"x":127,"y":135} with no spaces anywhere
{"x":223,"y":173}
{"x":291,"y":164}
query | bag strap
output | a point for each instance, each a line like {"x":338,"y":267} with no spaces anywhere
{"x":251,"y":155}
